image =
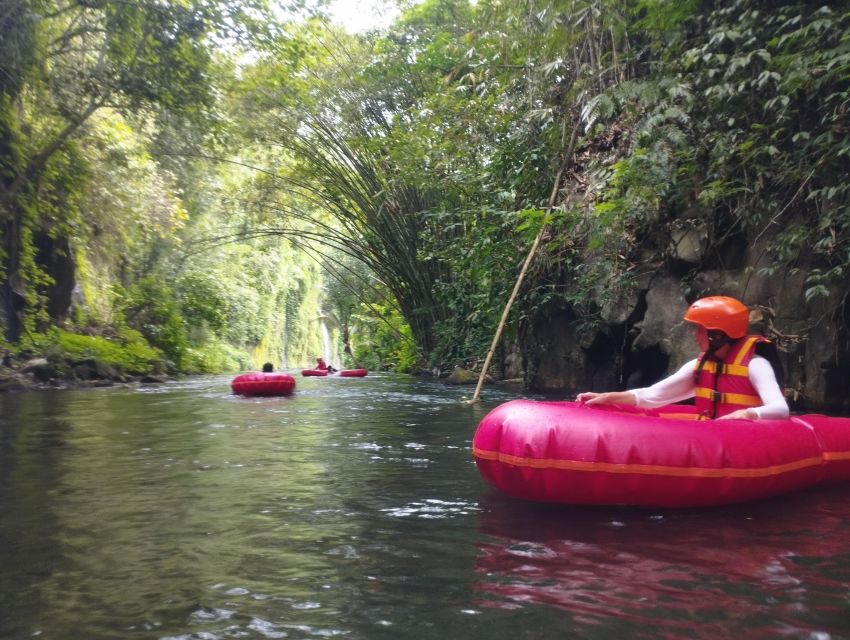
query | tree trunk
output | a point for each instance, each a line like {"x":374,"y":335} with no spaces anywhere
{"x":14,"y":299}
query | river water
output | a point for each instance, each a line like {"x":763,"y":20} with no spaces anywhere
{"x":353,"y":509}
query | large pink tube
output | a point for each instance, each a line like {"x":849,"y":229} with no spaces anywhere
{"x":569,"y":453}
{"x":263,"y":384}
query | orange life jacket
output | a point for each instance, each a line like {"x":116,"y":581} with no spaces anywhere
{"x":724,"y":386}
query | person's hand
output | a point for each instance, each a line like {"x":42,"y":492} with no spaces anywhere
{"x":741,"y":414}
{"x":609,"y":397}
{"x":591,"y":397}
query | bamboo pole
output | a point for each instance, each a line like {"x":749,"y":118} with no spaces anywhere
{"x":517,"y":285}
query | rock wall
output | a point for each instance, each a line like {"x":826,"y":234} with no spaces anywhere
{"x":644,"y":338}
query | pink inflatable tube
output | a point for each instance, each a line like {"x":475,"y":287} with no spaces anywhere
{"x":569,"y":453}
{"x":353,"y":373}
{"x":263,"y":384}
{"x":345,"y":373}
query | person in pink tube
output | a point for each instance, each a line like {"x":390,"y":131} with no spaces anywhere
{"x":321,"y":365}
{"x":735,"y":376}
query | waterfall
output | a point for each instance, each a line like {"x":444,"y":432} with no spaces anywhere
{"x":330,"y":349}
{"x":327,"y":351}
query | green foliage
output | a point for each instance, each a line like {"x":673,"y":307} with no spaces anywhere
{"x":214,"y":357}
{"x":772,"y":125}
{"x":66,"y":63}
{"x":17,"y":24}
{"x":128,"y":351}
{"x":738,"y":128}
{"x":484,"y":253}
{"x":149,"y":307}
{"x":383,"y":340}
{"x":202,"y":302}
{"x":404,"y":175}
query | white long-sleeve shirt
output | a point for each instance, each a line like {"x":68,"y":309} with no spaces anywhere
{"x":680,"y":386}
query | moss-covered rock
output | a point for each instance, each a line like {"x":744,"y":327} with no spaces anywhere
{"x":461,"y":376}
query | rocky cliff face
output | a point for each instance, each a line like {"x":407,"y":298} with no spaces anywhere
{"x":644,"y":338}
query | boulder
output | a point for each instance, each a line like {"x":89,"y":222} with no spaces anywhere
{"x":662,"y":323}
{"x":93,"y":369}
{"x":462,"y":376}
{"x":33,"y":364}
{"x":12,"y":381}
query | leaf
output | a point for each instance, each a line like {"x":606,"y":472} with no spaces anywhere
{"x":818,"y":290}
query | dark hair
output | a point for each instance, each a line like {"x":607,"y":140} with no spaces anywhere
{"x":268,"y":367}
{"x":717,"y":339}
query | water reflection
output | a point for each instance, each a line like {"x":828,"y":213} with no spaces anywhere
{"x":33,"y":439}
{"x":184,"y":511}
{"x":356,"y":511}
{"x":761,"y":570}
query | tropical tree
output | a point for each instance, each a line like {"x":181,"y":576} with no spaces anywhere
{"x":66,"y":62}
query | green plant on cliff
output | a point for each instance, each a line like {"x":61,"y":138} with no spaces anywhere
{"x":777,"y":91}
{"x":127,"y":351}
{"x":753,"y":142}
{"x":149,"y":306}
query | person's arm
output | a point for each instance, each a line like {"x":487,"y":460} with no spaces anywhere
{"x":678,"y":386}
{"x":674,"y":388}
{"x":774,"y":405}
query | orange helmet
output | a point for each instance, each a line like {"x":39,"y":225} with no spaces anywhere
{"x":720,"y":313}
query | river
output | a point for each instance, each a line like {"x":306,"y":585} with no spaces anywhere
{"x":353,"y":509}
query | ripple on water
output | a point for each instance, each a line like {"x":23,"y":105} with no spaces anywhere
{"x":266,"y":629}
{"x":366,"y":446}
{"x":211,"y":614}
{"x":345,"y":550}
{"x":432,"y":508}
{"x":321,"y":632}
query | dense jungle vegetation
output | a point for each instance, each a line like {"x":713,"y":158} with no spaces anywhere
{"x":202,"y":185}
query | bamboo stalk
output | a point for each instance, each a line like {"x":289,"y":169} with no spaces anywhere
{"x":518,"y":283}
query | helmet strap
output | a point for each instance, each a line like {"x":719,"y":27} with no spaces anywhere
{"x":716,"y":340}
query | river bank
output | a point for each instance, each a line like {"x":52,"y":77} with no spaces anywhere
{"x":51,"y":373}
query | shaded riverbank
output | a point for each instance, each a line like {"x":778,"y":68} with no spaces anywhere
{"x":41,"y":374}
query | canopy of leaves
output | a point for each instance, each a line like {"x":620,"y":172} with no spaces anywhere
{"x":396,"y":179}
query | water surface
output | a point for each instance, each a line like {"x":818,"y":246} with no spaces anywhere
{"x":353,"y":509}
